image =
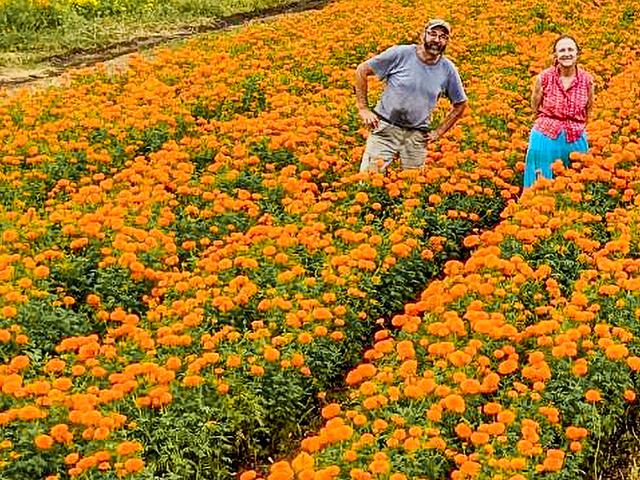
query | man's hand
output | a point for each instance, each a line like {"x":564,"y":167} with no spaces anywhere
{"x":431,"y":136}
{"x":457,"y":109}
{"x":369,"y":118}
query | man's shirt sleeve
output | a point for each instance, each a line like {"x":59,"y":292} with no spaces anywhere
{"x":384,"y":63}
{"x":454,"y":89}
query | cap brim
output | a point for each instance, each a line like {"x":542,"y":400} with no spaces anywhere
{"x":431,"y":27}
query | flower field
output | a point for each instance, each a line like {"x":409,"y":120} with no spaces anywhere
{"x":520,"y":359}
{"x":196,"y":283}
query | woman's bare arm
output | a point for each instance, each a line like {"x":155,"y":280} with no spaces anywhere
{"x":536,"y":96}
{"x":590,"y":100}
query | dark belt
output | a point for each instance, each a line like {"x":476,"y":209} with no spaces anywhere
{"x":395,"y":124}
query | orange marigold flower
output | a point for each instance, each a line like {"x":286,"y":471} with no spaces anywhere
{"x":330,"y":411}
{"x":616,"y":351}
{"x":554,"y":460}
{"x":506,"y":417}
{"x":271,"y":354}
{"x":281,"y":471}
{"x":634,"y":363}
{"x":470,"y":468}
{"x":9,"y":311}
{"x":471,"y":241}
{"x":576,"y":433}
{"x":479,"y":438}
{"x":302,"y":462}
{"x":592,"y":396}
{"x":128,"y":447}
{"x":507,"y":367}
{"x":5,"y":335}
{"x":61,"y":433}
{"x":54,"y":365}
{"x":455,"y":403}
{"x":398,"y":476}
{"x":133,"y":465}
{"x":492,"y":408}
{"x":463,"y":430}
{"x":580,"y":367}
{"x":380,"y":466}
{"x":19,"y":363}
{"x":350,"y":456}
{"x":43,"y":442}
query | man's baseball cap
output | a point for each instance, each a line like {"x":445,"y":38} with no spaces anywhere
{"x":438,"y":22}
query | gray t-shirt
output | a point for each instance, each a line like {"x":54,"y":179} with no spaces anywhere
{"x":413,"y":87}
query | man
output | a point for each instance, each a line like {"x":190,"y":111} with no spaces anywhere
{"x":415,"y":76}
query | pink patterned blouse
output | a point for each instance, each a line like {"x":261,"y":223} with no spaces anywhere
{"x":562,"y":109}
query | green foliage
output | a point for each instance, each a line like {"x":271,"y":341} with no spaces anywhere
{"x":249,"y":100}
{"x":399,"y":285}
{"x":496,"y":49}
{"x":33,"y":464}
{"x":45,"y":325}
{"x":20,"y":15}
{"x":209,"y":435}
{"x":600,"y":200}
{"x":628,"y":17}
{"x":79,"y":276}
{"x":542,"y":20}
{"x":352,"y":55}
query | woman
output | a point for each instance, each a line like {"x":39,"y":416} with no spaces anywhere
{"x":561,"y":100}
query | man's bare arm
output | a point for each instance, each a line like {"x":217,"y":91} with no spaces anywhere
{"x":368,"y":117}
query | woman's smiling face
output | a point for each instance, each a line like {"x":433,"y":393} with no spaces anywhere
{"x":566,"y":52}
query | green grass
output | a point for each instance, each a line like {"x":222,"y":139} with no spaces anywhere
{"x":34,"y":31}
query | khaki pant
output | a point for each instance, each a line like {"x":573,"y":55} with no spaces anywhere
{"x":386,"y":141}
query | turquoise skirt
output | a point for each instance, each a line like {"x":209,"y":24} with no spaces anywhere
{"x":544,"y":151}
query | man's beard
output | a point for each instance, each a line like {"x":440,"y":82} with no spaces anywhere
{"x":434,"y":47}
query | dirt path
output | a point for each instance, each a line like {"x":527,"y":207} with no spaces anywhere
{"x":116,"y":56}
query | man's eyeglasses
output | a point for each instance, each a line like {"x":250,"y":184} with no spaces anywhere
{"x":440,"y":36}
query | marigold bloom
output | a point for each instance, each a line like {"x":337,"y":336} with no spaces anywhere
{"x":133,"y":465}
{"x":455,"y":403}
{"x":576,"y":433}
{"x":629,"y":395}
{"x":330,"y":411}
{"x":44,"y":442}
{"x":60,"y":433}
{"x":463,"y":430}
{"x":592,"y":396}
{"x":128,"y":447}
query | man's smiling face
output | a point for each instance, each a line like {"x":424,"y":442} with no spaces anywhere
{"x":435,"y":40}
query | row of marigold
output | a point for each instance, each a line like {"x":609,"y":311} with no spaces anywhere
{"x":522,"y":359}
{"x":193,"y":262}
